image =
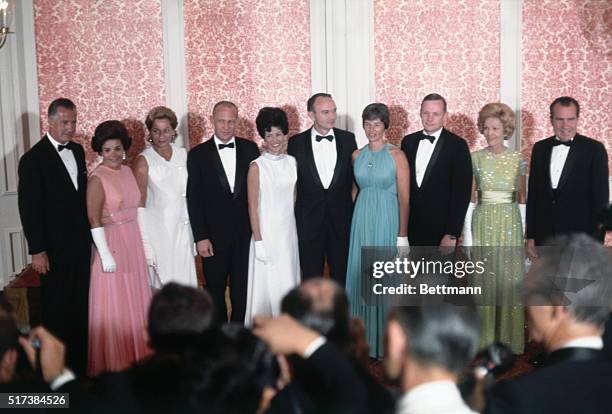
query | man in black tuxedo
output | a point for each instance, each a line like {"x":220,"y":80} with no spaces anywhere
{"x":440,"y":178}
{"x":218,"y":210}
{"x":324,"y":205}
{"x":575,"y":377}
{"x":568,"y":180}
{"x":51,"y":193}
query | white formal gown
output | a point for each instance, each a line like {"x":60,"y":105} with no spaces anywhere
{"x":270,"y":281}
{"x":166,"y":218}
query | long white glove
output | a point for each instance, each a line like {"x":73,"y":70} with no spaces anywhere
{"x":148,"y":250}
{"x":523,"y":210}
{"x":402,"y":242}
{"x":467,"y":225}
{"x":108,"y":262}
{"x":260,"y":252}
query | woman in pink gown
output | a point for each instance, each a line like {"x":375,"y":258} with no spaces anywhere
{"x":119,"y":294}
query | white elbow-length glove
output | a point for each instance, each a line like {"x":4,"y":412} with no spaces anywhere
{"x":260,"y":252}
{"x":108,"y":262}
{"x":523,"y":211}
{"x":148,"y":250}
{"x":467,"y":226}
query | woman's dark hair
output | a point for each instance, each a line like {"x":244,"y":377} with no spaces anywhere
{"x":110,"y":130}
{"x":268,"y":118}
{"x":376,"y":111}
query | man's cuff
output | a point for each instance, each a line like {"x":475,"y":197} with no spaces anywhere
{"x":61,"y":379}
{"x":314,"y":345}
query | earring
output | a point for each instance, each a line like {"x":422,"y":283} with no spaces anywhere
{"x":174,"y":138}
{"x":124,"y":156}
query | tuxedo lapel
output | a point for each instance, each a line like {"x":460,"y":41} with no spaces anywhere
{"x":241,"y":166}
{"x":570,"y":162}
{"x":310,"y":159}
{"x":218,"y":165}
{"x":339,"y":159}
{"x":546,"y":163}
{"x":56,"y":163}
{"x":434,"y":157}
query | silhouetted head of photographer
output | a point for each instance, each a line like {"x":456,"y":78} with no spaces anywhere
{"x":568,"y":291}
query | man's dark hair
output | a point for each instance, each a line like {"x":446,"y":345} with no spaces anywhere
{"x":8,"y":334}
{"x":443,"y":335}
{"x":565,"y":101}
{"x":60,"y":103}
{"x":178,"y":311}
{"x":311,"y":101}
{"x":434,"y":97}
{"x":332,"y":321}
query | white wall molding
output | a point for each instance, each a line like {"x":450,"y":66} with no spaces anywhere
{"x":510,"y":51}
{"x":19,"y":129}
{"x":342,"y":57}
{"x":174,"y":64}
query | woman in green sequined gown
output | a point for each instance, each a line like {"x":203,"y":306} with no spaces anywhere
{"x":498,"y":205}
{"x":380,"y":217}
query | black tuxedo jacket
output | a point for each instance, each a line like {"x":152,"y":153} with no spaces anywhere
{"x":572,"y":380}
{"x":438,"y":207}
{"x":313,"y":201}
{"x":53,"y":213}
{"x":580,"y":196}
{"x":215,"y":212}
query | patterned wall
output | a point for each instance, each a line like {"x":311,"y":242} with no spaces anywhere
{"x":253,"y":52}
{"x":107,"y":56}
{"x":446,"y":46}
{"x":567,"y":50}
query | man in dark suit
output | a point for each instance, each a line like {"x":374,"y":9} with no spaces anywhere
{"x":575,"y":377}
{"x":568,"y":180}
{"x":428,"y":347}
{"x":324,"y":204}
{"x":218,"y":210}
{"x":51,"y":193}
{"x":322,"y":305}
{"x":440,"y":178}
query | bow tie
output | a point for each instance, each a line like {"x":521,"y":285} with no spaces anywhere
{"x":330,"y":138}
{"x":61,"y":147}
{"x":430,"y":138}
{"x":567,"y":144}
{"x":230,"y":145}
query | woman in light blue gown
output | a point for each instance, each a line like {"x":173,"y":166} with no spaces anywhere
{"x":380,"y":217}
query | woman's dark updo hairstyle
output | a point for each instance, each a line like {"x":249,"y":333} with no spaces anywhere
{"x":110,"y":130}
{"x":268,"y":118}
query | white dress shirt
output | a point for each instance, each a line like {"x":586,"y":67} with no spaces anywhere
{"x":228,"y":159}
{"x":423,"y":155}
{"x":557,"y":162}
{"x":325,"y":156}
{"x":593,"y":342}
{"x":69,"y":161}
{"x":436,"y":397}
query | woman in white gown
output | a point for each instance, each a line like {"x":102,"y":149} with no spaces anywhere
{"x":161,"y":173}
{"x":274,"y":264}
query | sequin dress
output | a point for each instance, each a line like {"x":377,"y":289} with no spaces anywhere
{"x":375,"y":223}
{"x":496,"y":225}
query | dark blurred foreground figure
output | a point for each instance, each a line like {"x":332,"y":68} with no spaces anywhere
{"x":322,"y":305}
{"x":576,"y":376}
{"x":427,"y":348}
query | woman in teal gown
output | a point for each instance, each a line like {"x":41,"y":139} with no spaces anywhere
{"x":380,"y":217}
{"x":497,"y":223}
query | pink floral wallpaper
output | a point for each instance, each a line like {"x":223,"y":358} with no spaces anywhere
{"x":567,"y":50}
{"x":254,"y":53}
{"x":107,"y":56}
{"x":450,"y":47}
